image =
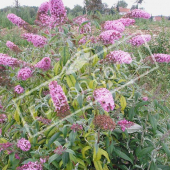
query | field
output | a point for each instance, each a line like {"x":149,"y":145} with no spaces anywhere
{"x":83,"y":92}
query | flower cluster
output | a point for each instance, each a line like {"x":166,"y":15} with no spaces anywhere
{"x":12,"y":46}
{"x":37,"y":40}
{"x":58,"y":12}
{"x":119,"y":57}
{"x":145,"y":98}
{"x":3,"y":118}
{"x":76,"y":127}
{"x":104,"y":122}
{"x":24,"y":144}
{"x":59,"y":99}
{"x":124,"y":124}
{"x":43,"y":18}
{"x":44,"y":64}
{"x":104,"y":97}
{"x":126,"y":21}
{"x":109,"y":36}
{"x":60,"y":149}
{"x":24,"y":73}
{"x":140,"y":40}
{"x":114,"y":25}
{"x":43,"y":120}
{"x":18,"y":89}
{"x":91,"y":39}
{"x":16,"y":20}
{"x":85,"y":28}
{"x":6,"y":60}
{"x":20,"y":23}
{"x":5,"y":146}
{"x":138,"y":13}
{"x":31,"y":166}
{"x":161,"y":58}
{"x":44,"y":7}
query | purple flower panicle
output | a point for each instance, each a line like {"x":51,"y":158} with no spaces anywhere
{"x":76,"y":127}
{"x":138,"y":13}
{"x":18,"y":89}
{"x":126,"y":21}
{"x":162,"y":58}
{"x":59,"y":99}
{"x":31,"y":166}
{"x":140,"y":40}
{"x":104,"y":97}
{"x":109,"y":36}
{"x":124,"y":124}
{"x":44,"y":64}
{"x":24,"y":144}
{"x":37,"y":40}
{"x":119,"y":57}
{"x":24,"y":73}
{"x":114,"y":25}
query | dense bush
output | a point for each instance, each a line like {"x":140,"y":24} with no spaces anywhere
{"x":66,"y":105}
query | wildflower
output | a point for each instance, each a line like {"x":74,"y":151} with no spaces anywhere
{"x":91,"y":39}
{"x":18,"y":89}
{"x":20,"y":22}
{"x":124,"y":124}
{"x":31,"y":166}
{"x":140,"y":40}
{"x":104,"y":122}
{"x":17,"y":156}
{"x":24,"y":73}
{"x":16,"y":20}
{"x":6,"y":60}
{"x":43,"y":160}
{"x":104,"y":97}
{"x":5,"y":146}
{"x":109,"y":36}
{"x":58,"y":12}
{"x":145,"y":98}
{"x":3,"y":118}
{"x":12,"y":46}
{"x":60,"y":150}
{"x":44,"y":64}
{"x":161,"y":58}
{"x":86,"y":28}
{"x":37,"y":40}
{"x":138,"y":13}
{"x":76,"y":127}
{"x":126,"y":21}
{"x":114,"y":25}
{"x":44,"y":7}
{"x":43,"y":18}
{"x":118,"y":57}
{"x":24,"y":144}
{"x":43,"y":120}
{"x":59,"y":99}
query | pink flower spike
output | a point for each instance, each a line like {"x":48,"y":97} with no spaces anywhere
{"x":18,"y":89}
{"x":124,"y":124}
{"x":104,"y":97}
{"x":44,"y":64}
{"x":24,"y":144}
{"x":145,"y":98}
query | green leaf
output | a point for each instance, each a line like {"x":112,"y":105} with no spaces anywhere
{"x":166,"y":149}
{"x":122,"y":102}
{"x":145,"y":151}
{"x":84,"y":150}
{"x":123,"y":155}
{"x":52,"y":158}
{"x":65,"y":158}
{"x":98,"y":165}
{"x":53,"y":138}
{"x":153,"y":122}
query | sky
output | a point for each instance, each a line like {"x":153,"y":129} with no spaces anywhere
{"x":154,"y":7}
